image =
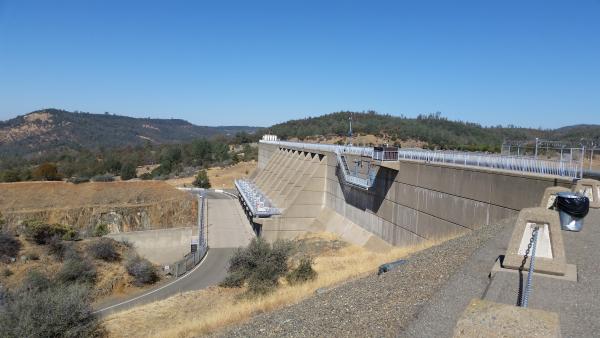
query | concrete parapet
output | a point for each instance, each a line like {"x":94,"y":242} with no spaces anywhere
{"x":550,"y":256}
{"x":590,"y":189}
{"x":550,"y":196}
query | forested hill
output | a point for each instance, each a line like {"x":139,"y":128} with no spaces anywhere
{"x":58,"y":130}
{"x":433,"y":129}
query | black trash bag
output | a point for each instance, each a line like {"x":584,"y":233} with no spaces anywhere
{"x":575,"y":205}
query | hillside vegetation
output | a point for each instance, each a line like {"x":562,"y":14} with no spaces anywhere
{"x":434,"y":129}
{"x":53,"y":130}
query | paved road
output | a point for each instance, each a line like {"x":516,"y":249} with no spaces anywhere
{"x":228,"y":229}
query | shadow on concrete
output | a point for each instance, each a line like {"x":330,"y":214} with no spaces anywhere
{"x":368,"y":199}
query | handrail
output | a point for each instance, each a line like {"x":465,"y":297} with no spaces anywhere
{"x":565,"y":168}
{"x":364,"y":183}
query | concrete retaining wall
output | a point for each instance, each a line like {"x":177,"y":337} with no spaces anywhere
{"x":412,"y":201}
{"x":163,"y":246}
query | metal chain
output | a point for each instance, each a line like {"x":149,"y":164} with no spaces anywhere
{"x":530,"y":248}
{"x":521,"y":268}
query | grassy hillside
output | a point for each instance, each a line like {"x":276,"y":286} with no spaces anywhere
{"x":434,"y":129}
{"x":58,"y":130}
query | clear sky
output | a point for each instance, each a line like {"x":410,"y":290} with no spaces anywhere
{"x":530,"y":63}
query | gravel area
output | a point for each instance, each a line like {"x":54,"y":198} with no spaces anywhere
{"x":373,"y":306}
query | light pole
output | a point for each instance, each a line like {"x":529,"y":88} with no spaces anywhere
{"x":350,"y":131}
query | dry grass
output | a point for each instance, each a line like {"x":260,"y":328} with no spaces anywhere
{"x":200,"y":312}
{"x":220,"y":177}
{"x":22,"y":196}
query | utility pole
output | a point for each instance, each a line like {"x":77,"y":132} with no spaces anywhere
{"x":536,"y":146}
{"x":592,"y":148}
{"x":350,"y":132}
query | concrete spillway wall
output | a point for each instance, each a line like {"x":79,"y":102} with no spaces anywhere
{"x":411,"y":201}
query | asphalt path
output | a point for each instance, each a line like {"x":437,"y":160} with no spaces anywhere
{"x":210,"y":271}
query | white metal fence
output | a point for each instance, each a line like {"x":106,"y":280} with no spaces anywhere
{"x":565,"y":167}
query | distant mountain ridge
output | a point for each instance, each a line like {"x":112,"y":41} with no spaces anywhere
{"x":56,"y":130}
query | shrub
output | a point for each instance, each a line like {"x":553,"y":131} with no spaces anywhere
{"x":103,"y":178}
{"x":142,"y":270}
{"x":201,"y":180}
{"x":41,"y":233}
{"x":59,"y":248}
{"x":35,"y":281}
{"x":9,"y":245}
{"x":104,"y":249}
{"x":101,"y":230}
{"x":146,"y":176}
{"x":303,"y":272}
{"x":10,"y":176}
{"x":77,"y":270}
{"x":61,"y":311}
{"x":128,"y":171}
{"x":260,"y":265}
{"x":78,"y":179}
{"x":127,"y":243}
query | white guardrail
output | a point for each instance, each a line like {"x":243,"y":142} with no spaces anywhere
{"x":566,"y":168}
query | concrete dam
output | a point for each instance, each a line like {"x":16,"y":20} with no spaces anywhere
{"x":302,"y":187}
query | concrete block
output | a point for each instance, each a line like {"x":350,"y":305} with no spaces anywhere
{"x":407,"y":195}
{"x":548,"y":221}
{"x":455,"y":209}
{"x":434,"y":177}
{"x":302,"y":210}
{"x":386,"y":210}
{"x":483,"y":318}
{"x":431,"y":227}
{"x":474,"y":184}
{"x":408,"y":172}
{"x":309,"y":197}
{"x":590,"y":189}
{"x":550,"y":196}
{"x":497,"y":213}
{"x":517,"y":192}
{"x":402,"y":237}
{"x":405,"y":217}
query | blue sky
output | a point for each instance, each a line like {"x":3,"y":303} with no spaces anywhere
{"x":529,"y":63}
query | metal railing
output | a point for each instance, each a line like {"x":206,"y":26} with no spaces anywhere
{"x":364,"y":183}
{"x":188,"y":262}
{"x":565,"y":167}
{"x":259,"y":204}
{"x":192,"y":259}
{"x":513,"y":163}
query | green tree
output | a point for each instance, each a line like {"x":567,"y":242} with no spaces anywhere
{"x":201,"y":180}
{"x":128,"y":171}
{"x":11,"y":176}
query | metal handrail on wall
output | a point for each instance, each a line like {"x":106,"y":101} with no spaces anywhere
{"x":364,"y":183}
{"x":565,"y":167}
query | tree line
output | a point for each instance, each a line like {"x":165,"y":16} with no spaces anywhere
{"x":102,"y":164}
